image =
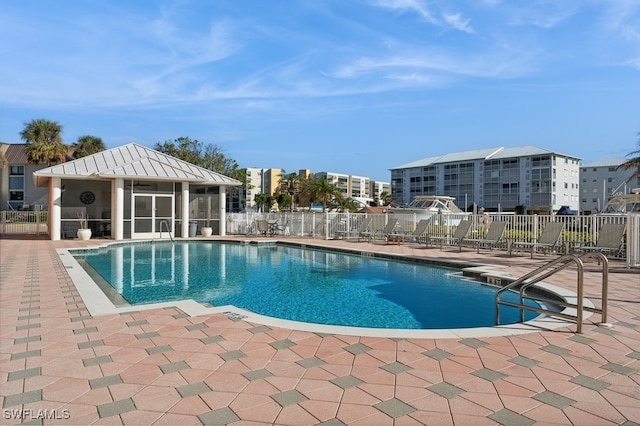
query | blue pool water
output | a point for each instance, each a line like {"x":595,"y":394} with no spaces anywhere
{"x":299,"y":284}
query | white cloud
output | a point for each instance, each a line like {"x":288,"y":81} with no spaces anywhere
{"x":457,"y":22}
{"x":415,"y":6}
{"x":446,"y":20}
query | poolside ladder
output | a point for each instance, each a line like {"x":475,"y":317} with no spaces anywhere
{"x":522,"y":284}
{"x":168,"y":229}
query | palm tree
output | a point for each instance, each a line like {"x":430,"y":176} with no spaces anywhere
{"x":87,"y":145}
{"x":43,"y":142}
{"x":385,"y":197}
{"x":290,"y":184}
{"x":263,"y":202}
{"x":323,"y":191}
{"x":632,"y":163}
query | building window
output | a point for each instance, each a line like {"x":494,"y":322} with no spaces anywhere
{"x":16,"y":186}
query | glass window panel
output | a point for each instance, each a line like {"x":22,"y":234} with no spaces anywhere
{"x":16,"y":182}
{"x":16,"y":195}
{"x":16,"y":170}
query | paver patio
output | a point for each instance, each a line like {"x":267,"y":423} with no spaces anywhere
{"x":60,"y":365}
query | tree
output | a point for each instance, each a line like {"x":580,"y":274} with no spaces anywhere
{"x":195,"y":152}
{"x":87,"y":145}
{"x":284,"y":201}
{"x":324,"y":192}
{"x":263,"y":202}
{"x":290,"y":184}
{"x":632,"y":163}
{"x":349,"y":204}
{"x":43,"y":142}
{"x":385,"y":197}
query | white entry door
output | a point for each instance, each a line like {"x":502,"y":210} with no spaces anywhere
{"x":152,"y":216}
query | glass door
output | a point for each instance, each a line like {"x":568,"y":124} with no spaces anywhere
{"x":148,"y":213}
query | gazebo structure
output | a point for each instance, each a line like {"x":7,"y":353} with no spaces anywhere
{"x":134,"y":192}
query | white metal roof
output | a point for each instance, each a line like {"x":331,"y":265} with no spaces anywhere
{"x":480,"y":154}
{"x":132,"y":161}
{"x":606,"y":162}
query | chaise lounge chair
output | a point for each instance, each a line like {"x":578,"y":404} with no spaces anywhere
{"x":416,"y":236}
{"x":549,"y":239}
{"x":355,"y":233}
{"x":610,"y":239}
{"x":456,"y":239}
{"x":491,"y":239}
{"x":380,"y":233}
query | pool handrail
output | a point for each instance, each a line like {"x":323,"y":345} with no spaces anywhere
{"x":562,"y":263}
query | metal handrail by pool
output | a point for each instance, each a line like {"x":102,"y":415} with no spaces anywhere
{"x":537,"y":276}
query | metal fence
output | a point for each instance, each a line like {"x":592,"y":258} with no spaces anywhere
{"x":579,"y":231}
{"x":23,"y":222}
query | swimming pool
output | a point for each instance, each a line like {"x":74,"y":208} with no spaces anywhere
{"x":298,"y":284}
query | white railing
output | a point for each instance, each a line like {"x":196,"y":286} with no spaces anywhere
{"x":633,"y":240}
{"x":23,"y":222}
{"x":579,"y":231}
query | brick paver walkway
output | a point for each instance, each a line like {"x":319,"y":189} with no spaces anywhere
{"x":60,"y":365}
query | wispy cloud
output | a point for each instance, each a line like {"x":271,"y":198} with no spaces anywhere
{"x":456,"y":21}
{"x":439,"y":18}
{"x":415,"y":6}
{"x":495,"y":65}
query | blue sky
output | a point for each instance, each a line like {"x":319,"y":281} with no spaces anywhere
{"x":354,"y":87}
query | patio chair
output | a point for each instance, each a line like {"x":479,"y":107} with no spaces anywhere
{"x":610,"y":239}
{"x":549,"y":239}
{"x":416,"y":236}
{"x":284,"y":229}
{"x":263,"y":227}
{"x":456,"y":239}
{"x":380,"y":233}
{"x":355,"y":233}
{"x":491,"y":239}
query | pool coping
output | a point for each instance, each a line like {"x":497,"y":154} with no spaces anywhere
{"x":98,"y":303}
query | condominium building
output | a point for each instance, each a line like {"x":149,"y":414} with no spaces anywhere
{"x":377,"y":188}
{"x":17,"y":189}
{"x":350,"y":186}
{"x":601,"y":179}
{"x":494,"y":178}
{"x":360,"y":188}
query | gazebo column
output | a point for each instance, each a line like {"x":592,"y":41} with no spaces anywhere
{"x":222,"y":203}
{"x":55,"y":208}
{"x":117,"y":209}
{"x":185,"y":210}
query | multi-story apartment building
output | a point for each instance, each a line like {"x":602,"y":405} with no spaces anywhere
{"x":601,"y":179}
{"x":339,"y":179}
{"x":261,"y":181}
{"x":377,"y":188}
{"x":254,"y":185}
{"x":494,"y":178}
{"x":17,"y":190}
{"x":360,"y":188}
{"x":351,"y":186}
